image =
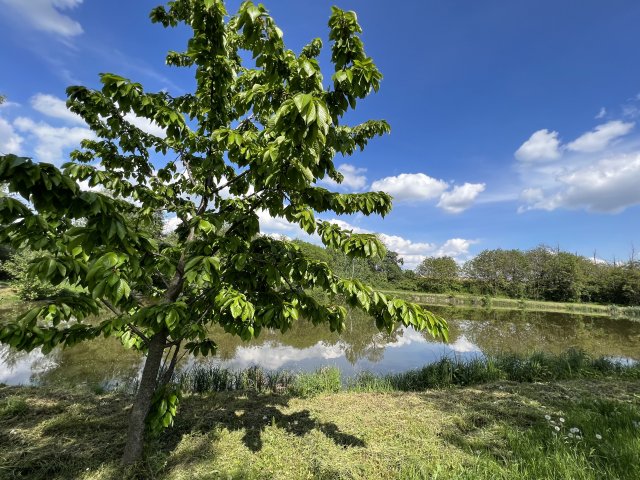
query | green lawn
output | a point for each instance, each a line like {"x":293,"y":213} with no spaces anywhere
{"x":498,"y":430}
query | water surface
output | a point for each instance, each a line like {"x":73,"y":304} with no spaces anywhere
{"x":473,"y":332}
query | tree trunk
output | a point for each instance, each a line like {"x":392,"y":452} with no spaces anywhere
{"x":144,"y":396}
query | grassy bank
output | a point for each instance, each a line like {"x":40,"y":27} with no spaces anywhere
{"x":568,"y":417}
{"x":500,"y":303}
{"x":447,"y":372}
{"x":501,"y":430}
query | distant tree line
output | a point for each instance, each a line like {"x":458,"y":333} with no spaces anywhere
{"x":541,"y":273}
{"x":538,"y":274}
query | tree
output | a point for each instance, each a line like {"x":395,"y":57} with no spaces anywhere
{"x":444,"y":268}
{"x":439,"y":274}
{"x":251,"y":138}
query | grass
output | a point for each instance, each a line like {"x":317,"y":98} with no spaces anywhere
{"x":501,"y":430}
{"x":8,"y":295}
{"x":500,"y":303}
{"x":447,"y":372}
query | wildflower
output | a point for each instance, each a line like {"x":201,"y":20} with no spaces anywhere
{"x":574,"y":430}
{"x":557,"y":428}
{"x":578,"y":437}
{"x":598,"y":436}
{"x":570,"y":435}
{"x":548,"y":417}
{"x":264,"y":417}
{"x":561,"y":420}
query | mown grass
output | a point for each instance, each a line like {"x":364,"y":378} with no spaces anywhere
{"x":496,"y":431}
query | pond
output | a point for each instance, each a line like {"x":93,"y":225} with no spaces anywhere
{"x":473,"y":332}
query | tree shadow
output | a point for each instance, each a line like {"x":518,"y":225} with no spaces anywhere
{"x":251,"y":413}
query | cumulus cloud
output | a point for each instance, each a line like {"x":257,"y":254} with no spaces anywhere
{"x":51,"y":142}
{"x":55,"y":107}
{"x":460,"y":197}
{"x":170,"y":224}
{"x":455,"y":247}
{"x":354,"y":178}
{"x":414,"y":187}
{"x":411,"y":186}
{"x":599,"y":171}
{"x":10,"y":140}
{"x":413,"y":253}
{"x":609,"y":185}
{"x":600,"y":137}
{"x":46,"y":16}
{"x":145,"y":125}
{"x":543,"y":145}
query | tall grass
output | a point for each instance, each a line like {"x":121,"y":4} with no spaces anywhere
{"x":446,"y":372}
{"x":210,"y":378}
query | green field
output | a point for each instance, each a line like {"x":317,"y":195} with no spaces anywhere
{"x":498,"y":430}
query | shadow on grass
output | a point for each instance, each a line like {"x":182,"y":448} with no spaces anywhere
{"x":250,"y":413}
{"x":46,"y":434}
{"x":50,"y":434}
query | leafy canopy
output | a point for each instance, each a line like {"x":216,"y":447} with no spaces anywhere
{"x":252,"y":138}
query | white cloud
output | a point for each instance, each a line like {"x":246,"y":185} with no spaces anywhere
{"x":51,"y":142}
{"x":542,"y":145}
{"x":413,"y":253}
{"x":461,"y":197}
{"x":600,"y":137}
{"x":457,"y":248}
{"x":145,"y":125}
{"x":55,"y":107}
{"x":601,"y":114}
{"x":411,"y":186}
{"x":170,"y":224}
{"x":46,"y":16}
{"x":609,"y":185}
{"x":354,"y":178}
{"x":10,"y":140}
{"x":276,"y":225}
{"x":8,"y":104}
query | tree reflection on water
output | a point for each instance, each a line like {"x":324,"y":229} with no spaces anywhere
{"x":360,"y":347}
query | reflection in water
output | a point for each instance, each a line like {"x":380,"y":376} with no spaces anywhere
{"x":361,"y":347}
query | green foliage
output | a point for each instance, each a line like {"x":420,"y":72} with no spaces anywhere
{"x":28,"y":287}
{"x":265,"y":131}
{"x":164,"y":408}
{"x":322,"y":381}
{"x":438,"y":274}
{"x":537,"y":274}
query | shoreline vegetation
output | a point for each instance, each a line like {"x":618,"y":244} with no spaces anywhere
{"x":9,"y":296}
{"x":540,"y":416}
{"x":462,"y":300}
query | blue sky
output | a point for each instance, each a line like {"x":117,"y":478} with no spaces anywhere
{"x":513,"y":123}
